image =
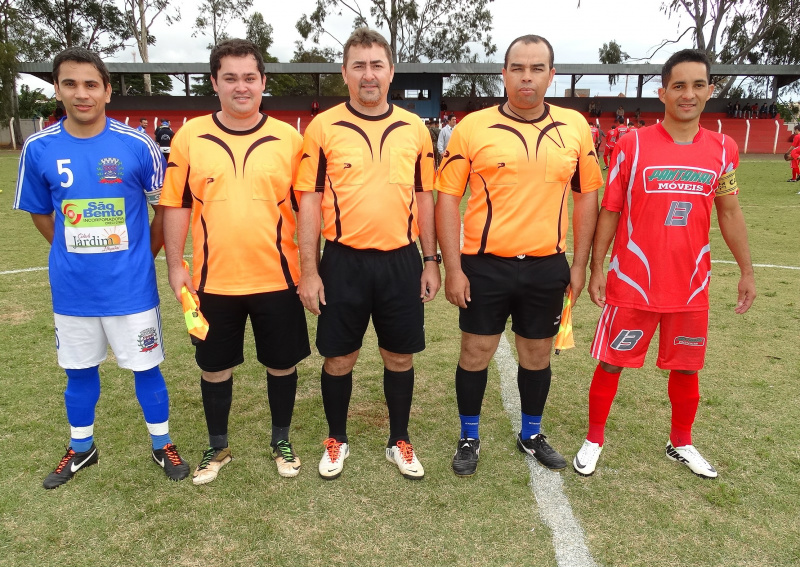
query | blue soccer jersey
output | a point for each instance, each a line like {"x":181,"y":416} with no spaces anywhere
{"x":99,"y":187}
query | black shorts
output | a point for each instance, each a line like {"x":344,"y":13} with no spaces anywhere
{"x":530,"y":289}
{"x":360,"y":283}
{"x":279,"y":327}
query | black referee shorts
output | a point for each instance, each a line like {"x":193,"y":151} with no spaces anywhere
{"x":529,"y":289}
{"x":279,"y":328}
{"x":363,"y":283}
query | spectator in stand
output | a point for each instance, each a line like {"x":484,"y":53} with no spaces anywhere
{"x":730,"y":109}
{"x":763,"y":112}
{"x":637,"y":114}
{"x":754,"y":110}
{"x":315,"y":108}
{"x":444,"y":135}
{"x":773,"y":110}
{"x":591,"y":108}
{"x":142,"y":126}
{"x":620,"y":112}
{"x":737,"y":110}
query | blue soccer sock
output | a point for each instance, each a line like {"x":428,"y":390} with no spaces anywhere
{"x":531,"y":425}
{"x":470,"y":425}
{"x":151,"y":391}
{"x":80,"y":398}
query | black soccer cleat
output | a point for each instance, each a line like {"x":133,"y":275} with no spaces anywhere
{"x":168,"y":459}
{"x":538,"y":448}
{"x":70,"y":463}
{"x":465,"y":461}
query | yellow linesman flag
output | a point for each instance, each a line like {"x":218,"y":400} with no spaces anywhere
{"x":564,"y":338}
{"x":196,"y":324}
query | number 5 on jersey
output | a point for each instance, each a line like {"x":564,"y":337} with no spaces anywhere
{"x":64,"y":170}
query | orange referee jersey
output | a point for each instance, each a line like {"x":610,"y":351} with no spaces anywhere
{"x":368,"y":169}
{"x":240,"y":187}
{"x":519,"y":173}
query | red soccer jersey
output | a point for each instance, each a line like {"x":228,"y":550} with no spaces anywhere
{"x":611,"y":140}
{"x":665,"y":191}
{"x":595,"y":133}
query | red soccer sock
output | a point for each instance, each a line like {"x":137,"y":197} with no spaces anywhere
{"x":601,"y":396}
{"x":684,"y":394}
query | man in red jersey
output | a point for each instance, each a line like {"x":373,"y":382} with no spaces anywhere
{"x":657,"y":210}
{"x":611,"y":141}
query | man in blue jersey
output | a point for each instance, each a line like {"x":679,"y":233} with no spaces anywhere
{"x":86,"y":182}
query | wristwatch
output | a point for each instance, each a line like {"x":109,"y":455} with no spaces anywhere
{"x":437,"y":258}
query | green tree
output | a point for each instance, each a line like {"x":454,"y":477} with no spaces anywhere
{"x":473,"y":86}
{"x":215,"y":15}
{"x":260,"y":33}
{"x":97,"y":25}
{"x":160,"y":84}
{"x":734,"y":32}
{"x":139,"y":18}
{"x":34,"y":104}
{"x":308,"y":84}
{"x":418,"y":30}
{"x":611,"y":54}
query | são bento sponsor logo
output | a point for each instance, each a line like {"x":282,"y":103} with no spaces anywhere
{"x":110,"y":170}
{"x":95,"y":225}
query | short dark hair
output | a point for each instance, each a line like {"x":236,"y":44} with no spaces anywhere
{"x":528,"y":39}
{"x":621,"y":119}
{"x":365,"y":37}
{"x":685,"y":56}
{"x":235,"y":48}
{"x":142,"y":119}
{"x":451,"y":117}
{"x":81,"y":55}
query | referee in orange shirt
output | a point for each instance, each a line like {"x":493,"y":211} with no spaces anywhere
{"x":522,"y":160}
{"x":367,"y":173}
{"x":231,"y":174}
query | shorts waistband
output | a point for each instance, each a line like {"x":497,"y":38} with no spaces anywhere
{"x":366,"y":250}
{"x":520,"y":257}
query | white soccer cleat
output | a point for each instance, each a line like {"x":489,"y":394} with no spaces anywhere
{"x":402,"y":454}
{"x":331,"y":464}
{"x":585,"y":461}
{"x":692,"y":458}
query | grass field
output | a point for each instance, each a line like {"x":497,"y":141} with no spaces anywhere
{"x":638,"y":508}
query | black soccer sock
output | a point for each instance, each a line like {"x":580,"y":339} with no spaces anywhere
{"x":281,"y":391}
{"x":398,"y":388}
{"x":534,"y":386}
{"x":217,"y":398}
{"x":470,"y":389}
{"x":336,"y":391}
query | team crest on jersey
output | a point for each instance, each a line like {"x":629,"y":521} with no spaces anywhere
{"x":148,"y":339}
{"x":672,"y":179}
{"x":109,"y":170}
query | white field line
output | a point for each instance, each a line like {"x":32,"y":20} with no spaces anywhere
{"x":9,"y":272}
{"x":569,"y":540}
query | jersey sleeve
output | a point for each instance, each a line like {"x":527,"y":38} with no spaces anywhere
{"x":32,"y":193}
{"x":424,"y":170}
{"x":455,"y":167}
{"x":176,"y":191}
{"x":618,"y":175}
{"x":727,"y":184}
{"x":152,"y":170}
{"x":587,"y":176}
{"x":313,"y":162}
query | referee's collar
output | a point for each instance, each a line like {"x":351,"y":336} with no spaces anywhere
{"x":368,"y":117}
{"x":227,"y":130}
{"x":544,"y":115}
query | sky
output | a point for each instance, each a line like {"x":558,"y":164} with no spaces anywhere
{"x":576,"y":33}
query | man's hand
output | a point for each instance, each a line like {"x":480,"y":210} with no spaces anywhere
{"x":311,"y":292}
{"x":430,"y":282}
{"x":577,"y":281}
{"x":179,"y":277}
{"x":456,"y":288}
{"x":747,"y":293}
{"x":597,"y":287}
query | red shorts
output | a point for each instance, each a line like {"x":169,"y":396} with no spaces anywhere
{"x":623,"y":335}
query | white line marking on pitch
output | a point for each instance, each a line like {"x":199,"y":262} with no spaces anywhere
{"x":569,"y":539}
